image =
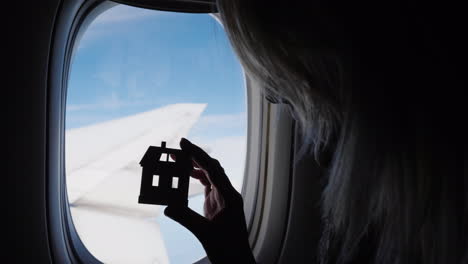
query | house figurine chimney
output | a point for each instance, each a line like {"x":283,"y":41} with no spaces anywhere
{"x":164,"y":180}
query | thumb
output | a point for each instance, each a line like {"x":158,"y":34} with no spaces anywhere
{"x":190,"y":219}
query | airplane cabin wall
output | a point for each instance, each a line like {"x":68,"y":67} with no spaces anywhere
{"x":31,"y":25}
{"x":304,"y":229}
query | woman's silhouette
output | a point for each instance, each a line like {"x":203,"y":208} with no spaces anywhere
{"x":371,"y":83}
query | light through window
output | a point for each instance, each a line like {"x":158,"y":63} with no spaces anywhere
{"x":140,"y":77}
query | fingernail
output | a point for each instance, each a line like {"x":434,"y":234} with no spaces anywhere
{"x":184,"y":142}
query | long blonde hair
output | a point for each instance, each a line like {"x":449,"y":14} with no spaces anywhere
{"x":360,"y":84}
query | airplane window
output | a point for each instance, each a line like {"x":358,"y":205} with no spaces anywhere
{"x":140,"y":77}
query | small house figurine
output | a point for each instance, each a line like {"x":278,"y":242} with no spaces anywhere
{"x":165,"y":180}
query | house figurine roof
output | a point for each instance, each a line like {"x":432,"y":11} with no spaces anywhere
{"x":153,"y":154}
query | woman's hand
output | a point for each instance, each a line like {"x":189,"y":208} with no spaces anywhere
{"x":223,"y":231}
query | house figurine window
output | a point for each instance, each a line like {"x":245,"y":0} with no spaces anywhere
{"x":165,"y":176}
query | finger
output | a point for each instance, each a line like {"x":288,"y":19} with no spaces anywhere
{"x":215,"y":172}
{"x":207,"y":190}
{"x":200,"y":157}
{"x":188,"y":218}
{"x":201,"y":176}
{"x":208,"y":206}
{"x":214,"y":203}
{"x":194,"y":164}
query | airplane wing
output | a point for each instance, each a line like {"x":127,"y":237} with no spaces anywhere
{"x":102,"y":160}
{"x":103,"y":182}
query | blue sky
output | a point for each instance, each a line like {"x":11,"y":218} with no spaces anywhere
{"x":132,"y":60}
